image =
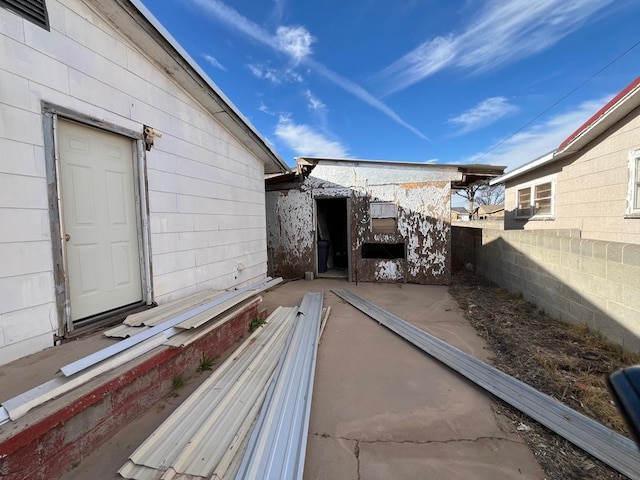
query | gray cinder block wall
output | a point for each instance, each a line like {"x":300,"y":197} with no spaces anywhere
{"x":575,"y":280}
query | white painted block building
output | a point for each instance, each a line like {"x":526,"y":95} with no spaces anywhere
{"x":92,"y":222}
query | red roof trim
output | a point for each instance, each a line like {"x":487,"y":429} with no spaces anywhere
{"x":600,"y":113}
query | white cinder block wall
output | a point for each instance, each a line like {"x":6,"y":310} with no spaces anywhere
{"x":205,"y":190}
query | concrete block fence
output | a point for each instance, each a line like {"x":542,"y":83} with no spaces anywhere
{"x":572,"y":279}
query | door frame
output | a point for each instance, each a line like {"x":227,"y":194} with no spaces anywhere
{"x":50,"y":115}
{"x":321,"y":196}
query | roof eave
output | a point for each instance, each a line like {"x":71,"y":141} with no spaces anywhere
{"x":131,"y":17}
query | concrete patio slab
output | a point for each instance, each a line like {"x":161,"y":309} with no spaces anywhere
{"x":381,"y":408}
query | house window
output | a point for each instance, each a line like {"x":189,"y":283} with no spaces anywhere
{"x":536,"y":199}
{"x":33,"y":10}
{"x":634,"y":183}
{"x":542,"y":199}
{"x":524,"y":202}
{"x":383,"y":217}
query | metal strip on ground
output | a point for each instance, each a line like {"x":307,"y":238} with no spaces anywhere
{"x":121,"y":346}
{"x":204,"y":435}
{"x":277,"y":446}
{"x":21,"y":404}
{"x":158,"y":314}
{"x":614,"y":449}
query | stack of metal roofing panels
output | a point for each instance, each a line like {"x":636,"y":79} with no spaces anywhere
{"x":168,"y":327}
{"x":612,"y":448}
{"x":277,"y":446}
{"x":202,"y":438}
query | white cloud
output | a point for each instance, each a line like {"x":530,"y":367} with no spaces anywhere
{"x":502,"y":32}
{"x":273,"y":75}
{"x":296,"y":41}
{"x":306,"y":141}
{"x":264,"y":109}
{"x":484,"y":113}
{"x":431,"y":161}
{"x":235,"y":20}
{"x":265,"y":73}
{"x":213,"y":61}
{"x":314,"y":102}
{"x":540,"y":138}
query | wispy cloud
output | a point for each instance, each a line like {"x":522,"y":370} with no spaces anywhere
{"x":298,"y":48}
{"x":502,"y":32}
{"x":486,"y":112}
{"x":264,"y":109}
{"x":213,"y":61}
{"x":540,"y":138}
{"x":304,"y":140}
{"x":314,"y":102}
{"x":274,"y":75}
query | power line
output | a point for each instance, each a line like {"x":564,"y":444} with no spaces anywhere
{"x":553,"y":105}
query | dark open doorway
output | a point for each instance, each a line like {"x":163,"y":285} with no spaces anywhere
{"x":332,"y":235}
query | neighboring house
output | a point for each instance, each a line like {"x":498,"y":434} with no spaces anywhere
{"x":365,"y":220}
{"x":459,"y":214}
{"x":126,"y":176}
{"x":591,"y":182}
{"x":489,"y":212}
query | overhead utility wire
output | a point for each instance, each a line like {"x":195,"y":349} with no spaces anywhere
{"x":560,"y":100}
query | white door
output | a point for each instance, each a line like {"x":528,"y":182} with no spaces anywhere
{"x":99,"y":219}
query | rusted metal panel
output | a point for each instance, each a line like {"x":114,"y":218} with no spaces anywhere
{"x":290,"y":232}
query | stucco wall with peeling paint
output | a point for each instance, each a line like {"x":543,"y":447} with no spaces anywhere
{"x":422,"y":196}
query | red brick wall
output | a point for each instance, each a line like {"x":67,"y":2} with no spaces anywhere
{"x":53,"y":445}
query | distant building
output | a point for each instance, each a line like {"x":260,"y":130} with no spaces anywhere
{"x":460,"y":214}
{"x":489,"y":212}
{"x":365,"y":220}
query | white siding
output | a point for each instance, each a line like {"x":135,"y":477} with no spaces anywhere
{"x":205,"y":189}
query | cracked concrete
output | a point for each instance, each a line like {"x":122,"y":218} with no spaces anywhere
{"x":383,"y":409}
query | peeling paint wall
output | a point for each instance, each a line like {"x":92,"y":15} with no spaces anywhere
{"x":290,"y":233}
{"x":422,"y":196}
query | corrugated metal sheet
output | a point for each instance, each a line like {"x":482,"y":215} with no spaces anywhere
{"x":202,"y":437}
{"x":159,"y":314}
{"x":277,"y":446}
{"x":89,"y":360}
{"x":186,"y":337}
{"x":124,"y":331}
{"x":612,"y":448}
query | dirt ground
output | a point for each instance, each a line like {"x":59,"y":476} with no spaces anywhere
{"x":568,"y":362}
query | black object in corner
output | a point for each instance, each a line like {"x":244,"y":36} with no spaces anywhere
{"x":624,"y":386}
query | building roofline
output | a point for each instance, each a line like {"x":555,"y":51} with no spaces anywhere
{"x":615,"y":110}
{"x":229,"y":115}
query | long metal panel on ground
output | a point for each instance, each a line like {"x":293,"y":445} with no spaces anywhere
{"x":603,"y":443}
{"x":202,"y":438}
{"x":121,"y":346}
{"x":277,"y":446}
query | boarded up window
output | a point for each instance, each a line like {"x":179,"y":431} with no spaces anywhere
{"x":385,"y":251}
{"x":383,"y":217}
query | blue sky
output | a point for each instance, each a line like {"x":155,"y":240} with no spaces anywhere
{"x":409,"y":80}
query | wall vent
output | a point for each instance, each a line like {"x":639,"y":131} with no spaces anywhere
{"x":33,"y":10}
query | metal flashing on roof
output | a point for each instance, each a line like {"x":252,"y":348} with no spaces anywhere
{"x":606,"y":445}
{"x":527,"y":167}
{"x":277,"y":446}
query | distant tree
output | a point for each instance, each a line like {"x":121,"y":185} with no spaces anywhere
{"x":490,"y":195}
{"x":469,"y":192}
